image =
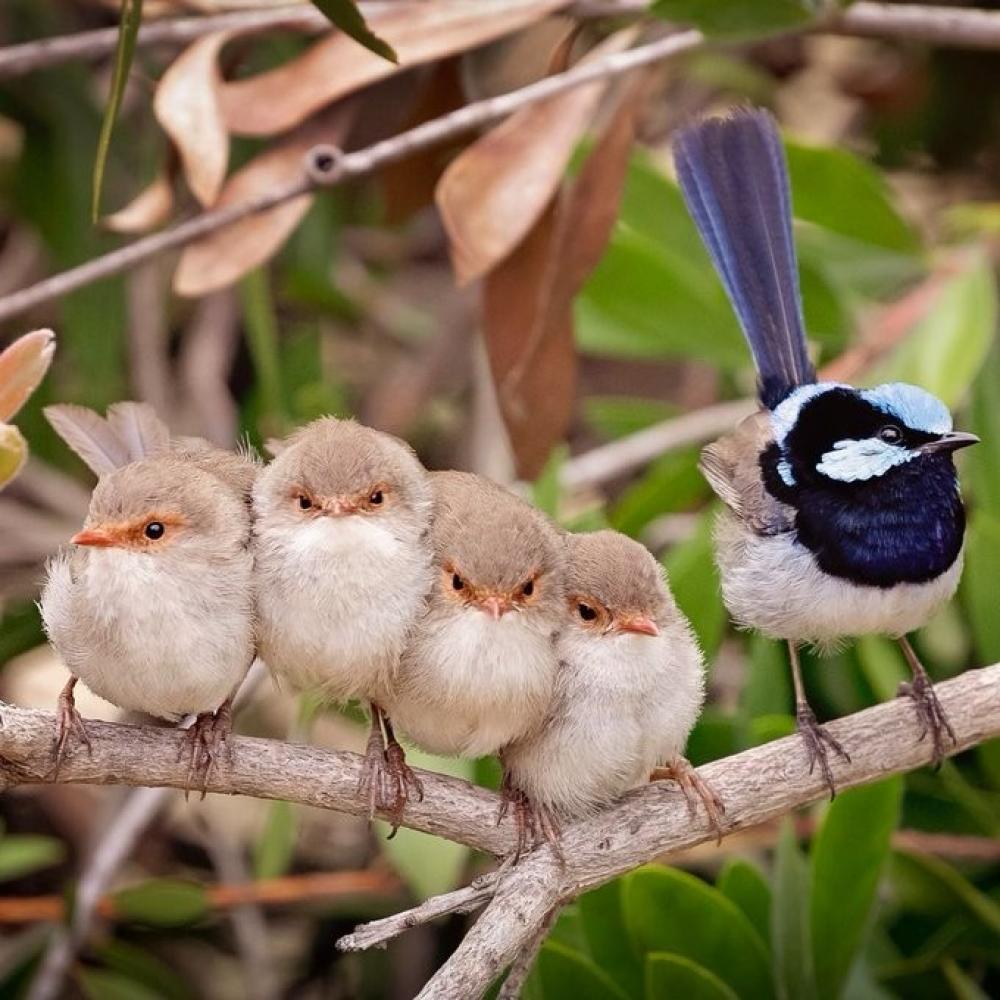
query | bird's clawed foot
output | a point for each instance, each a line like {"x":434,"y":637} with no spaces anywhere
{"x":203,"y":742}
{"x":534,"y":823}
{"x":401,"y":779}
{"x":69,"y":722}
{"x":930,"y":714}
{"x":373,"y":768}
{"x":694,"y":787}
{"x":819,"y":743}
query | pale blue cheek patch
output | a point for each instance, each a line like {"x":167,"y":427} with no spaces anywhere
{"x":854,"y":461}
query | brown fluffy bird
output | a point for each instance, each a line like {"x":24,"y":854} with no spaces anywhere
{"x":480,"y":668}
{"x":153,"y":607}
{"x":628,"y":691}
{"x":343,"y":567}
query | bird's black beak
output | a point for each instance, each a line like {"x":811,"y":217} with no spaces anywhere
{"x":949,"y":442}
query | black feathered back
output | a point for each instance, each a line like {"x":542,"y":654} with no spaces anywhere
{"x":734,"y":179}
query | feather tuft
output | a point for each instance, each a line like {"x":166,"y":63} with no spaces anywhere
{"x":89,"y":435}
{"x":141,"y":432}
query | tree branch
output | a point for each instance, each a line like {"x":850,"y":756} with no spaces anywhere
{"x":757,"y":785}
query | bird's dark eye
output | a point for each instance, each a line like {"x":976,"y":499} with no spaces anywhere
{"x":457,"y":582}
{"x":376,"y":498}
{"x":891,"y":434}
{"x":154,"y":530}
{"x":305,"y":502}
{"x":587,"y":613}
{"x":528,"y":589}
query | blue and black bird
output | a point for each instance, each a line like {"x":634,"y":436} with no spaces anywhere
{"x":844,"y":516}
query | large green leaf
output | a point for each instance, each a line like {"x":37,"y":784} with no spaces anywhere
{"x":24,"y":854}
{"x":695,"y":583}
{"x":667,"y":910}
{"x":718,"y":17}
{"x":100,"y":984}
{"x":346,"y":16}
{"x":565,"y":974}
{"x":848,"y":857}
{"x":745,"y":885}
{"x":983,"y":461}
{"x":671,"y":484}
{"x":162,"y":902}
{"x":979,"y":592}
{"x":128,"y":32}
{"x":948,"y":347}
{"x":883,"y":665}
{"x":793,"y":960}
{"x":143,"y":967}
{"x":767,"y":685}
{"x":607,"y":937}
{"x":836,"y":190}
{"x":675,"y":976}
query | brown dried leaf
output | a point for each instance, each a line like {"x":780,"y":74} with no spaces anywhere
{"x":491,"y":195}
{"x":187,"y":105}
{"x":281,"y":98}
{"x":224,"y":256}
{"x":528,"y":298}
{"x":148,"y":210}
{"x":22,"y":367}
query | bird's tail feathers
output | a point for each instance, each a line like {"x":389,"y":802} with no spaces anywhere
{"x":734,"y":179}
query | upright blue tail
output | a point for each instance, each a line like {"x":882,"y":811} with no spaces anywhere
{"x":734,"y":179}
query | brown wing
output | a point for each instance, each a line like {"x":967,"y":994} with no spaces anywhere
{"x":732,"y":467}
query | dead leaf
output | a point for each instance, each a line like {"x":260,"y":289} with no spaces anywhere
{"x":281,"y":98}
{"x":491,"y":195}
{"x":528,"y":297}
{"x":22,"y":367}
{"x":187,"y":106}
{"x":224,"y":256}
{"x":148,"y":210}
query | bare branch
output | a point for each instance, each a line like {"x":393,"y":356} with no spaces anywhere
{"x":347,"y":167}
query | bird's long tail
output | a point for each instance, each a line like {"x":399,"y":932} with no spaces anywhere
{"x":734,"y":179}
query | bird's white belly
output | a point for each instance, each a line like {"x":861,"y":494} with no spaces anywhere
{"x":336,"y":622}
{"x":773,"y":584}
{"x":468,"y":686}
{"x":149,"y":642}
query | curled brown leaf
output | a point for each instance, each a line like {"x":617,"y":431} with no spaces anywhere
{"x":23,"y":365}
{"x":148,"y":210}
{"x":335,"y":66}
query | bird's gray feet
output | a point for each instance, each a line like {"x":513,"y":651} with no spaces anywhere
{"x":819,"y":743}
{"x":373,"y":768}
{"x":694,"y":787}
{"x":204,"y":742}
{"x":534,"y":823}
{"x":69,"y":723}
{"x":400,"y":780}
{"x":930,"y":714}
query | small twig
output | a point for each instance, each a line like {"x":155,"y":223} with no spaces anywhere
{"x":282,"y":891}
{"x":326,"y":170}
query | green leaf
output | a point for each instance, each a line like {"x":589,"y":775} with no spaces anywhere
{"x":695,"y":583}
{"x":963,"y":986}
{"x":948,"y":347}
{"x":848,"y":858}
{"x":607,"y":937}
{"x":565,"y":973}
{"x":883,"y":665}
{"x":273,"y":852}
{"x":842,"y":193}
{"x":736,"y":19}
{"x":667,"y":910}
{"x":745,"y":885}
{"x":22,"y":855}
{"x":261,"y":325}
{"x":162,"y":902}
{"x":922,"y":879}
{"x":99,"y":984}
{"x":344,"y":15}
{"x":767,"y":685}
{"x":142,"y":966}
{"x":428,"y":864}
{"x":982,"y":557}
{"x":674,"y":976}
{"x":983,"y":461}
{"x":128,"y":31}
{"x":793,"y":961}
{"x":614,"y":417}
{"x":545,"y":491}
{"x":671,"y":484}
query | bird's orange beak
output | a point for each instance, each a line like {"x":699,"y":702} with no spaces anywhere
{"x":340,"y":507}
{"x":639,"y":625}
{"x":97,"y":537}
{"x":495,"y":606}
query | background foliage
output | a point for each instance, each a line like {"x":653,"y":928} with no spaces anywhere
{"x":349,"y":305}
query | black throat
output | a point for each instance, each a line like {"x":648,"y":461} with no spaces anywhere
{"x":905,"y":526}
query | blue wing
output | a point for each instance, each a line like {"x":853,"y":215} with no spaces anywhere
{"x":733,"y":176}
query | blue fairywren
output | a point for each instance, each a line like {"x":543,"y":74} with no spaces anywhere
{"x":843,"y":515}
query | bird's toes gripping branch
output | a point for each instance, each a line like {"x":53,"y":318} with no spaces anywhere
{"x":930,"y":714}
{"x":69,"y":723}
{"x":203,"y":742}
{"x":819,"y":743}
{"x":694,"y":788}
